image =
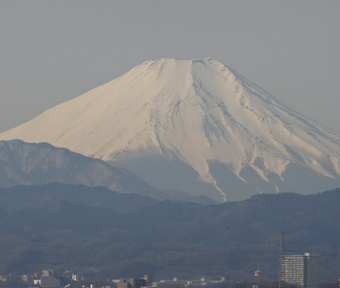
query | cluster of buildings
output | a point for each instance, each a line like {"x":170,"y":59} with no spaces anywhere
{"x":46,"y":280}
{"x":301,"y":271}
{"x":189,"y":283}
{"x":50,"y":279}
{"x":145,"y":282}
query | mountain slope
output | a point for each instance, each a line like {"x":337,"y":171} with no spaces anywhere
{"x":25,"y":163}
{"x":33,"y":197}
{"x":234,"y":135}
{"x":185,"y":240}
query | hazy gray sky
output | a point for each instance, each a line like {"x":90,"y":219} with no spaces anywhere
{"x":52,"y":51}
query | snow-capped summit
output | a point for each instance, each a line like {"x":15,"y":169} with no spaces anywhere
{"x":237,"y":137}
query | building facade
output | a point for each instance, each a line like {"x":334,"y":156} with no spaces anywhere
{"x":300,"y":270}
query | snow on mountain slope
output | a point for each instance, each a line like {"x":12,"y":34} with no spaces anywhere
{"x":38,"y":164}
{"x":197,"y":111}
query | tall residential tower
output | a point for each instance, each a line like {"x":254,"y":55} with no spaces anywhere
{"x":300,"y":270}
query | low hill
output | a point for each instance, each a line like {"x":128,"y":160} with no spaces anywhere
{"x":34,"y":197}
{"x":169,"y":239}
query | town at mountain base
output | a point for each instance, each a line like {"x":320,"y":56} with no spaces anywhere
{"x":84,"y":229}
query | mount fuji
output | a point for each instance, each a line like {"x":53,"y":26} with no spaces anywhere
{"x":196,"y":126}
